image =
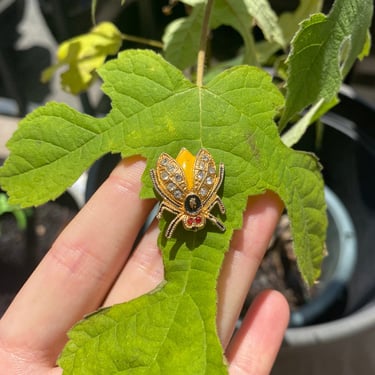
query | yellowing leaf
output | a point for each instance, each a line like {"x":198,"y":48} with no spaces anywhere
{"x":83,"y":55}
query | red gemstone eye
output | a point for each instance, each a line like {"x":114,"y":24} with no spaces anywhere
{"x":198,"y":219}
{"x":190,"y":221}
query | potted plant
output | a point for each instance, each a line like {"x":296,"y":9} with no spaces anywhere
{"x":145,"y":89}
{"x":347,"y":152}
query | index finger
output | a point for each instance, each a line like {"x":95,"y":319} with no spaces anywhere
{"x":78,"y":271}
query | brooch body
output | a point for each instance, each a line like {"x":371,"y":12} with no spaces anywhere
{"x":188,"y":187}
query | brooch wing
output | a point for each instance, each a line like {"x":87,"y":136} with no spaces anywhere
{"x":171,"y":182}
{"x":205,"y":176}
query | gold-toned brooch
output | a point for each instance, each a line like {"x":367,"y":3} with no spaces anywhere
{"x":188,"y":186}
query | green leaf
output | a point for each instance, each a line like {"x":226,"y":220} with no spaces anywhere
{"x":289,"y":21}
{"x":235,"y":14}
{"x":50,"y":150}
{"x":266,"y":19}
{"x":181,"y":37}
{"x":289,"y":24}
{"x":293,"y":135}
{"x":297,"y":130}
{"x":83,"y":55}
{"x":155,"y":109}
{"x":19,"y":213}
{"x":366,"y":48}
{"x":323,"y":52}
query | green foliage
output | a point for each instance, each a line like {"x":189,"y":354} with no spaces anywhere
{"x":289,"y":24}
{"x":50,"y":150}
{"x":156,"y":109}
{"x":181,"y":38}
{"x":324,"y":48}
{"x":323,"y":51}
{"x":19,"y":213}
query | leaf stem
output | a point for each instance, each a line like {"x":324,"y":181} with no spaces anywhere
{"x":203,"y":43}
{"x":138,"y":39}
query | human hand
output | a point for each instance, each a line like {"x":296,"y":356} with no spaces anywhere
{"x":89,"y":267}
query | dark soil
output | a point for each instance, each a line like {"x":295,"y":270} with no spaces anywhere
{"x":22,"y":250}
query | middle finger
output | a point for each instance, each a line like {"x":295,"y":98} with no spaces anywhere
{"x":144,"y":270}
{"x":247,"y":248}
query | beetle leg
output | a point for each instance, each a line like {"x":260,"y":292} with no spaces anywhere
{"x":219,"y":202}
{"x":216,"y":221}
{"x":173,"y":224}
{"x":166,"y":207}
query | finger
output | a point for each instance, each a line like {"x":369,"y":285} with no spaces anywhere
{"x":142,"y":273}
{"x":254,"y":348}
{"x":144,"y":270}
{"x":76,"y":274}
{"x":242,"y":260}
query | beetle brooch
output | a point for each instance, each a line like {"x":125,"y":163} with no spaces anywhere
{"x":188,"y":186}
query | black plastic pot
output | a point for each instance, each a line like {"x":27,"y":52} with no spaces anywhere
{"x":347,"y":153}
{"x":337,"y":267}
{"x":342,"y":341}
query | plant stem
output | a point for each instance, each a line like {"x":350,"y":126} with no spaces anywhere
{"x":138,"y":39}
{"x":203,"y":42}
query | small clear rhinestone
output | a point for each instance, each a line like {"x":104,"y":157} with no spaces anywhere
{"x":200,"y":175}
{"x":164,"y":161}
{"x":171,"y":186}
{"x":211,"y":170}
{"x":203,"y":191}
{"x":178,"y":177}
{"x":177,"y":194}
{"x":170,"y":168}
{"x":164,"y":175}
{"x":209,"y":180}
